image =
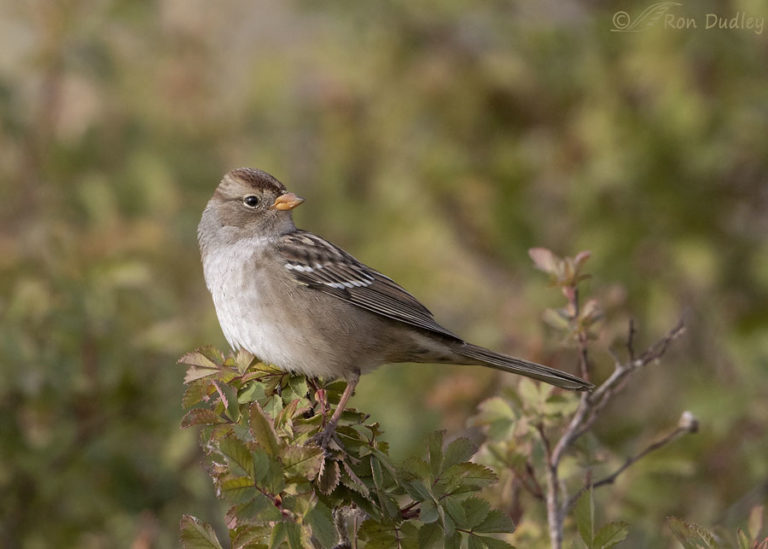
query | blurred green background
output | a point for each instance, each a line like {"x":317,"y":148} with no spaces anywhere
{"x":436,"y":141}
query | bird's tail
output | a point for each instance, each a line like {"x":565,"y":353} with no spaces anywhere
{"x":514,"y":365}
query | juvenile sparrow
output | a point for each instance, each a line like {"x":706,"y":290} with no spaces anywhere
{"x":295,"y":300}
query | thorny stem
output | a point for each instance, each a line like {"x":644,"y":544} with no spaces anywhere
{"x":590,"y":407}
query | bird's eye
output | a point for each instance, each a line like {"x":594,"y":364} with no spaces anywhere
{"x":251,"y":201}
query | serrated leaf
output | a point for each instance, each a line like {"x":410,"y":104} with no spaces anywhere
{"x":242,"y":360}
{"x":352,"y":481}
{"x":328,"y":476}
{"x":250,"y":536}
{"x":194,"y":373}
{"x":465,"y":477}
{"x":476,"y":511}
{"x":453,"y":506}
{"x":304,"y":461}
{"x":260,"y":509}
{"x":238,"y":490}
{"x":228,"y":395}
{"x":196,"y":534}
{"x":194,"y":394}
{"x":496,"y":522}
{"x":458,"y":451}
{"x":201,"y":416}
{"x":415,"y":468}
{"x":205,"y":357}
{"x":238,"y":455}
{"x":320,"y":522}
{"x":611,"y":534}
{"x":431,"y":536}
{"x":262,"y":431}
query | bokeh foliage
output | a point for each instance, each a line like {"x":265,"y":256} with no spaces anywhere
{"x":437,"y":141}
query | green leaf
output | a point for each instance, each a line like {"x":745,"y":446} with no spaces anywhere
{"x":328,"y":476}
{"x":418,"y":490}
{"x":243,"y":359}
{"x":458,"y":451}
{"x":205,"y":357}
{"x":194,"y":394}
{"x":238,"y":490}
{"x":320,"y":522}
{"x":493,"y":543}
{"x":196,"y":534}
{"x":431,"y":536}
{"x":584,"y":515}
{"x":228,"y":395}
{"x":611,"y":534}
{"x":415,"y":468}
{"x":238,"y":456}
{"x":428,"y":512}
{"x":453,"y":506}
{"x":202,"y":363}
{"x":201,"y":416}
{"x":250,"y":536}
{"x":476,"y":510}
{"x":279,"y":533}
{"x":464,"y":477}
{"x":352,"y":481}
{"x":260,"y":509}
{"x":474,"y":542}
{"x":435,"y":445}
{"x":304,"y":461}
{"x":262,"y":431}
{"x":293,"y":532}
{"x":377,"y":473}
{"x":495,"y":522}
{"x":453,"y":541}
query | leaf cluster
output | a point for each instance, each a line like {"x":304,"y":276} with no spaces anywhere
{"x":258,"y":430}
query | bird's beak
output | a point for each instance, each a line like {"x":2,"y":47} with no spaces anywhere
{"x":287,"y":201}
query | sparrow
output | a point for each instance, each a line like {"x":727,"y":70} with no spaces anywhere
{"x":297,"y":301}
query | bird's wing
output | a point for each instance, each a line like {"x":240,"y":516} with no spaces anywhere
{"x":317,"y":263}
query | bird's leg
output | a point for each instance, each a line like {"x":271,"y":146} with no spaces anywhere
{"x":324,"y":438}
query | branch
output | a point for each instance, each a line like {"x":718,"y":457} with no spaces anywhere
{"x":687,"y":424}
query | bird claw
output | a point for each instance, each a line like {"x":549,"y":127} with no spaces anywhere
{"x":326,"y":437}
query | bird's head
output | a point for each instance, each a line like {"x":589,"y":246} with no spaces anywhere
{"x":247,"y":203}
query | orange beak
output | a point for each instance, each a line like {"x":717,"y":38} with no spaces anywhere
{"x":287,"y":201}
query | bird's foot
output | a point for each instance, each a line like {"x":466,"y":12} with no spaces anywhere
{"x":327,"y":439}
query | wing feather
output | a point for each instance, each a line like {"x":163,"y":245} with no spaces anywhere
{"x":317,"y":263}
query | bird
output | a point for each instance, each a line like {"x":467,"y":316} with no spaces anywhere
{"x":295,"y":300}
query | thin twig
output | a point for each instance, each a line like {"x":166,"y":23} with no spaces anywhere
{"x":610,"y":479}
{"x":590,"y":407}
